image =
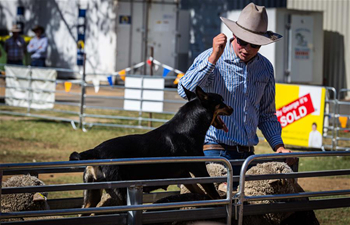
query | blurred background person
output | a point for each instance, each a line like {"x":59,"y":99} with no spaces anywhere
{"x":15,"y":47}
{"x":38,"y":47}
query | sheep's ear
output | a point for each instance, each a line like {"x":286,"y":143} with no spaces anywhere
{"x":274,"y":181}
{"x":38,"y":197}
{"x":277,"y":181}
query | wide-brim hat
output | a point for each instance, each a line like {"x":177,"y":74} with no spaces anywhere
{"x":37,"y":27}
{"x":15,"y":29}
{"x":251,"y":26}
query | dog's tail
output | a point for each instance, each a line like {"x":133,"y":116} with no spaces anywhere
{"x":86,"y":155}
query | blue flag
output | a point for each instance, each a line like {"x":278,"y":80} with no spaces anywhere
{"x":110,"y":81}
{"x":165,"y":72}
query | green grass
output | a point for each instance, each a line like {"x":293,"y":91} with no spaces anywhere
{"x":25,"y":139}
{"x":40,"y":140}
{"x":333,"y":216}
{"x":324,"y":163}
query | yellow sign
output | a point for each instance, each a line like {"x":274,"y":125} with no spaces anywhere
{"x":300,"y":110}
{"x":26,"y":38}
{"x":81,"y":44}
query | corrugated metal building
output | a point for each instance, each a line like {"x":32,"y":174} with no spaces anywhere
{"x":336,"y":25}
{"x":205,"y":21}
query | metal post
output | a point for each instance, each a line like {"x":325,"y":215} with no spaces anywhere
{"x":240,"y":193}
{"x":287,"y":49}
{"x":82,"y":97}
{"x":134,"y":197}
{"x":141,"y":101}
{"x":335,"y":122}
{"x":30,"y":90}
{"x":1,"y":173}
{"x":146,"y":9}
{"x":151,"y":73}
{"x":131,"y":33}
{"x":151,"y":66}
{"x":229,"y":193}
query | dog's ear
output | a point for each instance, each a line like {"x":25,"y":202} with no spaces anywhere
{"x":189,"y":94}
{"x":201,"y":94}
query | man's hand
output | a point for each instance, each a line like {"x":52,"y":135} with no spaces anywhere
{"x":283,"y":150}
{"x":289,"y":161}
{"x":219,"y":43}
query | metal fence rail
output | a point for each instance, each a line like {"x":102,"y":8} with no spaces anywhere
{"x":329,"y":117}
{"x":131,"y":213}
{"x":343,"y":110}
{"x":134,"y":187}
{"x":241,"y":198}
{"x":80,"y":102}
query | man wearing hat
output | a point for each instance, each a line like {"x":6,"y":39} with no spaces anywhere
{"x":15,"y":47}
{"x":38,"y":47}
{"x":245,"y":79}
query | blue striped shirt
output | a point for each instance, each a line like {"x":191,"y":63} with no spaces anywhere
{"x":249,"y":88}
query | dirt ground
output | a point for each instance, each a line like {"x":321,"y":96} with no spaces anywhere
{"x":308,"y":184}
{"x":324,"y":184}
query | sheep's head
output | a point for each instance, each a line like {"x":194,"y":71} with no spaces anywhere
{"x":24,"y":201}
{"x":272,"y":186}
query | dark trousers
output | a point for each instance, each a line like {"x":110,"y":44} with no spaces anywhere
{"x":15,"y":62}
{"x":40,"y":62}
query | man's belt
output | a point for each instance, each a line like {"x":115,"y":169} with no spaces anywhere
{"x":238,"y":148}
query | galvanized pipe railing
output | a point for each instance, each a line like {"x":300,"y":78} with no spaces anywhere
{"x":226,"y":202}
{"x":240,"y":196}
{"x":337,"y":116}
{"x":334,"y":109}
{"x":83,"y":98}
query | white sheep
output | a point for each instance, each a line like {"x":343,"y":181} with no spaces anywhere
{"x":214,"y":170}
{"x":276,"y":186}
{"x":263,"y":187}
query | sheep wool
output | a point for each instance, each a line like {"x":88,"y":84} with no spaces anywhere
{"x":214,"y":170}
{"x":269,"y":187}
{"x":22,"y":201}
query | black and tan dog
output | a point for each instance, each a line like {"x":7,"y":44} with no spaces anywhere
{"x":183,"y":135}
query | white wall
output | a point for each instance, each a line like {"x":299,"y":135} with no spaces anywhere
{"x":277,"y":52}
{"x":60,"y":17}
{"x":336,"y":28}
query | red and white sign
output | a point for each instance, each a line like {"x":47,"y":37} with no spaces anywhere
{"x":295,"y":110}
